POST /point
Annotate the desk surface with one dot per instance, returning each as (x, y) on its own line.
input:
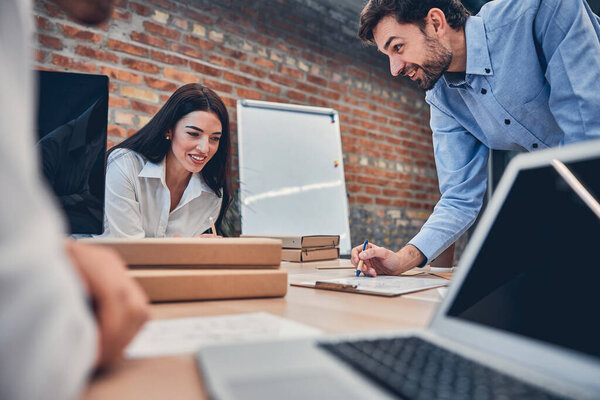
(331, 312)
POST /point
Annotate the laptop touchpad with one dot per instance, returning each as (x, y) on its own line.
(297, 387)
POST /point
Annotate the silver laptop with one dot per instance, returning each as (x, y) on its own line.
(520, 319)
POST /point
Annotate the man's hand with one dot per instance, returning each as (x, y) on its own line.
(379, 260)
(120, 305)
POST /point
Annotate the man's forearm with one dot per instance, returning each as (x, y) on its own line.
(410, 257)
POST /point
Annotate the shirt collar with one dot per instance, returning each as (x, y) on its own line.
(478, 55)
(194, 189)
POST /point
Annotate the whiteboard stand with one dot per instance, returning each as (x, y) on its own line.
(291, 171)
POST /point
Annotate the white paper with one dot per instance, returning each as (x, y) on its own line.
(385, 284)
(187, 335)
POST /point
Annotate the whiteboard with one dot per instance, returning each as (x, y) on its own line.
(291, 171)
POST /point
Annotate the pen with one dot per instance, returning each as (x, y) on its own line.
(212, 226)
(360, 262)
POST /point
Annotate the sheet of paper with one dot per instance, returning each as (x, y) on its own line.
(386, 284)
(187, 335)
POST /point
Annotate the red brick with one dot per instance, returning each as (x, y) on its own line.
(42, 23)
(239, 79)
(97, 54)
(291, 72)
(372, 190)
(168, 58)
(50, 41)
(218, 86)
(292, 94)
(195, 41)
(127, 48)
(328, 94)
(141, 66)
(267, 87)
(150, 40)
(52, 9)
(252, 71)
(282, 80)
(248, 94)
(160, 84)
(205, 69)
(223, 62)
(357, 73)
(117, 131)
(180, 76)
(140, 9)
(143, 107)
(121, 15)
(317, 80)
(317, 101)
(187, 50)
(161, 30)
(80, 34)
(262, 62)
(306, 88)
(40, 56)
(117, 102)
(121, 75)
(161, 3)
(70, 64)
(231, 53)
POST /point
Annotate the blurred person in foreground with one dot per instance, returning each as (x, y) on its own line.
(65, 308)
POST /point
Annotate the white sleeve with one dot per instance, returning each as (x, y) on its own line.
(48, 340)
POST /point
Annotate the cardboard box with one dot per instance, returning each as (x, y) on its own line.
(314, 254)
(178, 285)
(196, 252)
(302, 241)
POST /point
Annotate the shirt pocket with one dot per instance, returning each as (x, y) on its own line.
(535, 116)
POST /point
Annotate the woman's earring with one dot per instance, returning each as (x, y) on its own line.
(168, 137)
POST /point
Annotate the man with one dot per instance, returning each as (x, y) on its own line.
(521, 75)
(65, 308)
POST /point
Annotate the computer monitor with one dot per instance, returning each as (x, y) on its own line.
(72, 114)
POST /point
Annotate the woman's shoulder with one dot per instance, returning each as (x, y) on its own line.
(125, 156)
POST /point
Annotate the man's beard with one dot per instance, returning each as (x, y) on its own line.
(436, 65)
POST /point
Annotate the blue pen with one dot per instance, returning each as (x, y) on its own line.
(360, 262)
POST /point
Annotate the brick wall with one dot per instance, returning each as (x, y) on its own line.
(294, 51)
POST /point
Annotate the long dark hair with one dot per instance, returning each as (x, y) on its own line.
(150, 140)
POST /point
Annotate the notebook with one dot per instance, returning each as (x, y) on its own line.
(518, 321)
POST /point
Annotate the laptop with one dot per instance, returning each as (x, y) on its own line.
(520, 319)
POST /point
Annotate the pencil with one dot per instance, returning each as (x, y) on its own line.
(212, 226)
(360, 262)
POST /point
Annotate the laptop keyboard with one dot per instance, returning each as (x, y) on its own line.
(413, 369)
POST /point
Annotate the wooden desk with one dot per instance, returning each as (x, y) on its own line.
(332, 312)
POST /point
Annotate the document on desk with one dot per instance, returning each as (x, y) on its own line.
(187, 335)
(381, 285)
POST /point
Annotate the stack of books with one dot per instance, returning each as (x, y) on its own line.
(307, 248)
(179, 269)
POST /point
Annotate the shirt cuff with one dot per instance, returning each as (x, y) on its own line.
(430, 243)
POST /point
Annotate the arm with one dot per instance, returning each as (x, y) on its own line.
(568, 34)
(121, 207)
(461, 162)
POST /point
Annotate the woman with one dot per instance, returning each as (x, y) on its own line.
(170, 177)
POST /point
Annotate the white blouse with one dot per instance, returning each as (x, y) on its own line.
(137, 200)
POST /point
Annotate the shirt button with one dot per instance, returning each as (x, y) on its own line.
(483, 91)
(507, 121)
(487, 70)
(535, 145)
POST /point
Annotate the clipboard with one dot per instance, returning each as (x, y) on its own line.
(387, 286)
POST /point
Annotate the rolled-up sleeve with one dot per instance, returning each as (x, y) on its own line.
(461, 162)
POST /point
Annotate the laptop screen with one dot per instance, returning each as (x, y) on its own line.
(537, 273)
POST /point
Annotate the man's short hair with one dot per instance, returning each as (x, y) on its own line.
(408, 11)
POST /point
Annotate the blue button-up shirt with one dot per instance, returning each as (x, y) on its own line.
(532, 81)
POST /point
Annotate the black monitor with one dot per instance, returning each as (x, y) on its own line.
(72, 114)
